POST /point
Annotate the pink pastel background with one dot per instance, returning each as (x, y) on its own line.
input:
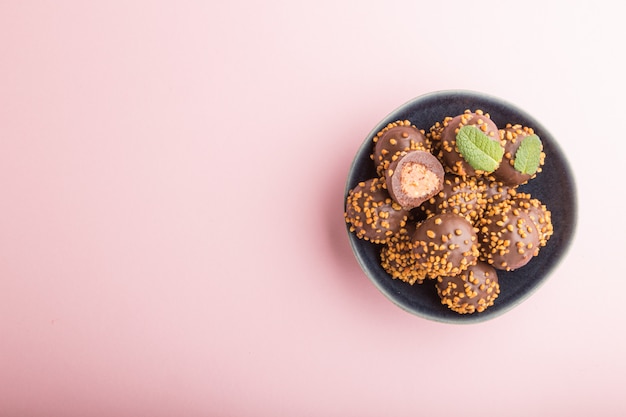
(171, 231)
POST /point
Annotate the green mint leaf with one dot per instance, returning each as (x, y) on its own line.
(478, 149)
(528, 155)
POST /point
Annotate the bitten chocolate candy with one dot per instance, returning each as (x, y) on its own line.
(448, 149)
(473, 290)
(508, 236)
(413, 178)
(395, 138)
(445, 245)
(372, 213)
(512, 136)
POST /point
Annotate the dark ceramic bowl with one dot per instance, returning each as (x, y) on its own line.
(554, 187)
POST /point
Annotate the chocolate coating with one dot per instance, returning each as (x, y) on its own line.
(372, 213)
(512, 136)
(472, 291)
(508, 237)
(494, 191)
(397, 257)
(448, 150)
(538, 213)
(445, 244)
(395, 138)
(459, 195)
(413, 178)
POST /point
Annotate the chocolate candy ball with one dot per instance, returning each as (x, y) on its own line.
(508, 236)
(512, 136)
(397, 257)
(445, 245)
(538, 213)
(473, 290)
(393, 139)
(372, 213)
(413, 178)
(449, 151)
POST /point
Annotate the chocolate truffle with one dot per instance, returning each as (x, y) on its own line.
(472, 291)
(449, 152)
(445, 244)
(397, 257)
(372, 213)
(459, 195)
(395, 138)
(413, 178)
(512, 136)
(539, 214)
(508, 237)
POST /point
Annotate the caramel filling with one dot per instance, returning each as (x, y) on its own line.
(417, 180)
